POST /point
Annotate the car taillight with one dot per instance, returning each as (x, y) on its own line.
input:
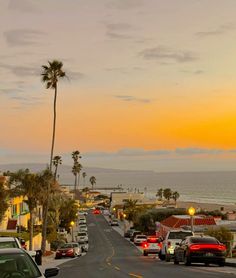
(145, 245)
(70, 250)
(222, 247)
(194, 247)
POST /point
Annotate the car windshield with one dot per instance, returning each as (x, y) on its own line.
(75, 245)
(142, 237)
(203, 240)
(18, 265)
(82, 234)
(67, 246)
(179, 235)
(8, 244)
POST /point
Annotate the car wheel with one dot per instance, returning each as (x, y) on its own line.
(167, 258)
(206, 264)
(176, 261)
(187, 261)
(161, 257)
(145, 253)
(221, 264)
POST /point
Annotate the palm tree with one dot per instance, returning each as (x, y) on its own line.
(167, 193)
(26, 184)
(130, 208)
(84, 175)
(77, 167)
(51, 74)
(92, 181)
(56, 161)
(175, 196)
(160, 194)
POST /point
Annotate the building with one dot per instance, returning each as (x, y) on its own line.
(184, 222)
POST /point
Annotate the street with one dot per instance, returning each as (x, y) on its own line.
(111, 255)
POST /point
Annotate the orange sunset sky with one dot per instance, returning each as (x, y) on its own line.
(151, 83)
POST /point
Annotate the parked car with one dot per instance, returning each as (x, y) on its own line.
(82, 221)
(68, 250)
(139, 239)
(14, 242)
(83, 212)
(169, 243)
(83, 228)
(62, 232)
(128, 233)
(151, 246)
(195, 249)
(114, 222)
(133, 235)
(82, 237)
(16, 262)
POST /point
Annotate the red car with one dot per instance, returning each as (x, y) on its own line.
(96, 211)
(196, 249)
(68, 250)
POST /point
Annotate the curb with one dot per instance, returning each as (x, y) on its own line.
(232, 264)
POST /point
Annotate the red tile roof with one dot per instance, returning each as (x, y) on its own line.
(176, 222)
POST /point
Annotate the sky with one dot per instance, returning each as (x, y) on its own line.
(151, 83)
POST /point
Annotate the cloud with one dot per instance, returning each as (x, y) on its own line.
(21, 71)
(116, 30)
(74, 75)
(193, 151)
(22, 37)
(219, 31)
(196, 72)
(125, 4)
(133, 99)
(25, 6)
(164, 54)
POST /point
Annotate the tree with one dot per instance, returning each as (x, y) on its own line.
(4, 192)
(51, 74)
(92, 181)
(160, 194)
(167, 193)
(175, 196)
(76, 166)
(84, 175)
(56, 161)
(68, 213)
(26, 184)
(130, 209)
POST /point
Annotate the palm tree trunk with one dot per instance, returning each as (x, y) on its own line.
(31, 230)
(75, 186)
(46, 205)
(55, 173)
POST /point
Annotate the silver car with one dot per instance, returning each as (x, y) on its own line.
(15, 262)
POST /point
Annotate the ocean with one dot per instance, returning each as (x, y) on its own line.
(207, 187)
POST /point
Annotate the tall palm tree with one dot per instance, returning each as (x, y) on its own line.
(92, 181)
(84, 175)
(56, 162)
(77, 167)
(26, 184)
(51, 74)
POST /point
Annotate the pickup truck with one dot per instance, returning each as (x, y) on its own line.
(169, 243)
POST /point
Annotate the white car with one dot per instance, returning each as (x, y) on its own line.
(83, 212)
(16, 262)
(151, 246)
(82, 237)
(83, 228)
(139, 239)
(169, 243)
(82, 221)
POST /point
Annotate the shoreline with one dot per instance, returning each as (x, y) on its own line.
(206, 206)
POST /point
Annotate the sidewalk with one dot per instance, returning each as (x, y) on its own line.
(230, 262)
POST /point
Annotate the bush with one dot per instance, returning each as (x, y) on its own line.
(57, 244)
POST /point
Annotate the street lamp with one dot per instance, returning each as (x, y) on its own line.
(191, 212)
(72, 223)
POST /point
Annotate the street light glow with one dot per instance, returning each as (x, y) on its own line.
(191, 211)
(72, 223)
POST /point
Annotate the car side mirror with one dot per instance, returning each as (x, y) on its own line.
(49, 272)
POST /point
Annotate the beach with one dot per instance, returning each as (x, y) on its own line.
(206, 206)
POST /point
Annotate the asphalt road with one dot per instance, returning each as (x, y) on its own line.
(111, 256)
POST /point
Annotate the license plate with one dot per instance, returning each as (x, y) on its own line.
(208, 254)
(63, 254)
